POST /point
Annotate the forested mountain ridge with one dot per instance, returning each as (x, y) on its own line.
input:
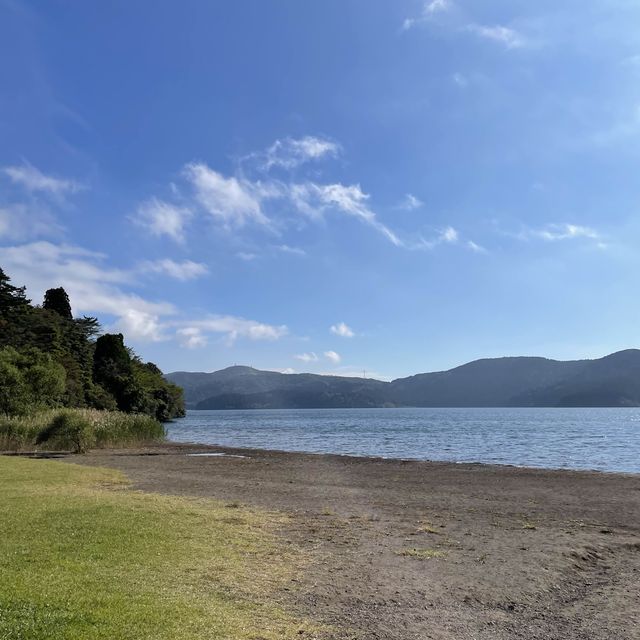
(50, 359)
(497, 382)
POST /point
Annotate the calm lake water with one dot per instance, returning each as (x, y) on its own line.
(602, 439)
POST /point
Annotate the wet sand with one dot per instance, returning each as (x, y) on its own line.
(416, 550)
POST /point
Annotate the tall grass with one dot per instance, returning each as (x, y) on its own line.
(77, 430)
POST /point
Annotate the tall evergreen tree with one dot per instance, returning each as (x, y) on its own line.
(11, 297)
(15, 309)
(113, 370)
(57, 300)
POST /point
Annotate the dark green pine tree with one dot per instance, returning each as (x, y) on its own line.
(11, 297)
(15, 310)
(113, 370)
(57, 300)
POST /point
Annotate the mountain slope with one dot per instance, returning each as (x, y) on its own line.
(612, 381)
(483, 383)
(248, 388)
(508, 382)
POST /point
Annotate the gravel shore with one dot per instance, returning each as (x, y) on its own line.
(416, 550)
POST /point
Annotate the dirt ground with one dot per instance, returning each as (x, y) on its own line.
(415, 550)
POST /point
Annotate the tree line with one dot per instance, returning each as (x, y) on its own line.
(49, 359)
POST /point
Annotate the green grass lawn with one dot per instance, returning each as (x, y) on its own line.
(82, 556)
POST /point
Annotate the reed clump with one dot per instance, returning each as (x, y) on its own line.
(77, 430)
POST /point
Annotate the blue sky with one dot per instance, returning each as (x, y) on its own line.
(331, 186)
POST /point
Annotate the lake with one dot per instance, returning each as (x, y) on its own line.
(600, 439)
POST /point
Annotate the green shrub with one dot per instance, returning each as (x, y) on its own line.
(68, 430)
(29, 380)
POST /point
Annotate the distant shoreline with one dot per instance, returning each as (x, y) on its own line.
(416, 407)
(195, 448)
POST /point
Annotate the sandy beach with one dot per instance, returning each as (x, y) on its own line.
(416, 550)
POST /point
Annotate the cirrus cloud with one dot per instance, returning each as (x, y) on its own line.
(410, 203)
(430, 9)
(21, 222)
(554, 232)
(510, 38)
(315, 199)
(32, 179)
(292, 152)
(185, 270)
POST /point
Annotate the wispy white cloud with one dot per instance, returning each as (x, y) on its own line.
(192, 337)
(163, 219)
(408, 23)
(430, 8)
(21, 222)
(410, 203)
(475, 247)
(342, 329)
(436, 6)
(448, 235)
(456, 21)
(33, 180)
(185, 270)
(233, 201)
(33, 216)
(556, 232)
(332, 356)
(194, 333)
(296, 251)
(307, 357)
(510, 38)
(314, 199)
(233, 327)
(290, 153)
(247, 256)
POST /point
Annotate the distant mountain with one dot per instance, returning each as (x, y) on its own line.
(499, 382)
(248, 388)
(612, 381)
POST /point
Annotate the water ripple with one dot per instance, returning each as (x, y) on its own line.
(599, 439)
